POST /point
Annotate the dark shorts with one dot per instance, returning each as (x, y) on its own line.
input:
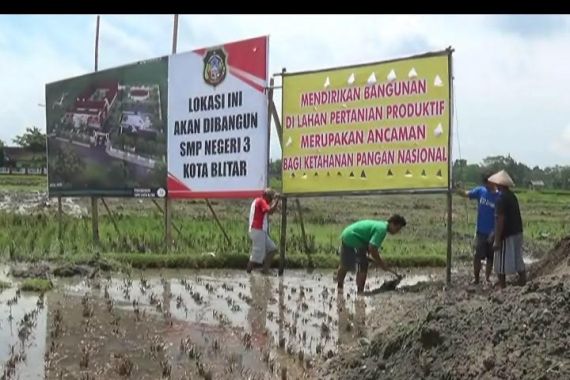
(483, 248)
(354, 258)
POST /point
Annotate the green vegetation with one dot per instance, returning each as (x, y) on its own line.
(27, 183)
(140, 241)
(4, 285)
(36, 285)
(557, 177)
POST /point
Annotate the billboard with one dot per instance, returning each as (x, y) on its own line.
(368, 128)
(106, 132)
(218, 132)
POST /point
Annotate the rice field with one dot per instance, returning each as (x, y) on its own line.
(183, 325)
(29, 229)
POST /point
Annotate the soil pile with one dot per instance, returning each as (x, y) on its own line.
(477, 333)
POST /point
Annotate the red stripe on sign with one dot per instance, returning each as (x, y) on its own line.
(214, 194)
(174, 184)
(247, 55)
(248, 81)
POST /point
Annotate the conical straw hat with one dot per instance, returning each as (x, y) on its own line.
(502, 178)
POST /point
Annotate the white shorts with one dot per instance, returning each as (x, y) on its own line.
(261, 245)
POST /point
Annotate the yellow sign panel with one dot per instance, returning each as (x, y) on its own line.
(373, 127)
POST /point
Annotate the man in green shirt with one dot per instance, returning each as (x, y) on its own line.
(361, 239)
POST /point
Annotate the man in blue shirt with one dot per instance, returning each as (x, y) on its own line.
(486, 197)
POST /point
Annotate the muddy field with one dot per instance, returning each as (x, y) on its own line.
(226, 325)
(182, 325)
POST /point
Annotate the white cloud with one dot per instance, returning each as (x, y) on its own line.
(511, 92)
(561, 144)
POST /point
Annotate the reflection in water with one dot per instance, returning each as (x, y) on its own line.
(360, 316)
(27, 339)
(281, 310)
(344, 335)
(346, 321)
(260, 288)
(295, 312)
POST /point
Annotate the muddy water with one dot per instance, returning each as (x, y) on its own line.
(13, 307)
(25, 203)
(225, 323)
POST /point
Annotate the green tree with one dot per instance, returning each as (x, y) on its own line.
(35, 141)
(1, 153)
(159, 174)
(66, 165)
(520, 173)
(118, 171)
(275, 168)
(32, 139)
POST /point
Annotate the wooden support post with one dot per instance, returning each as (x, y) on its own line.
(111, 216)
(449, 173)
(175, 34)
(283, 240)
(95, 220)
(94, 211)
(167, 202)
(218, 222)
(449, 236)
(97, 42)
(279, 128)
(59, 219)
(303, 235)
(281, 320)
(163, 212)
(168, 225)
(273, 112)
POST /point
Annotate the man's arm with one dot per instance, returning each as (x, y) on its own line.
(270, 208)
(274, 204)
(471, 194)
(375, 254)
(461, 192)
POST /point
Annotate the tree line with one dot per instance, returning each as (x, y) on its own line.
(554, 177)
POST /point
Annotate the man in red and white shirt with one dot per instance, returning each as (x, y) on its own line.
(262, 248)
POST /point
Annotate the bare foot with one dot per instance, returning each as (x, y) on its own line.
(498, 286)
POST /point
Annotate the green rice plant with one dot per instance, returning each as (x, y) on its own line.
(36, 285)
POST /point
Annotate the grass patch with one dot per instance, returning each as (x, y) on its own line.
(239, 261)
(36, 285)
(140, 241)
(23, 182)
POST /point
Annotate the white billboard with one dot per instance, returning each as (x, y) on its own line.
(218, 132)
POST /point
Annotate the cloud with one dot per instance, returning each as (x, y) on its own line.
(531, 26)
(509, 81)
(25, 71)
(410, 45)
(561, 144)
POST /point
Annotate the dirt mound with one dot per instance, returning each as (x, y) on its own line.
(519, 333)
(558, 258)
(476, 333)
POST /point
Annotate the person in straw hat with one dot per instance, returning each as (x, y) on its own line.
(508, 231)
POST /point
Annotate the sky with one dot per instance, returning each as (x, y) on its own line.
(511, 72)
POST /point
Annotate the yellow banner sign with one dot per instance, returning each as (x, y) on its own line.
(374, 127)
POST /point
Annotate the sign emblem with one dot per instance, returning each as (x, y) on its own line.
(215, 66)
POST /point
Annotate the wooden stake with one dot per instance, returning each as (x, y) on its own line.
(218, 222)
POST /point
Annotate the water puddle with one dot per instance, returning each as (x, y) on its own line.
(186, 324)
